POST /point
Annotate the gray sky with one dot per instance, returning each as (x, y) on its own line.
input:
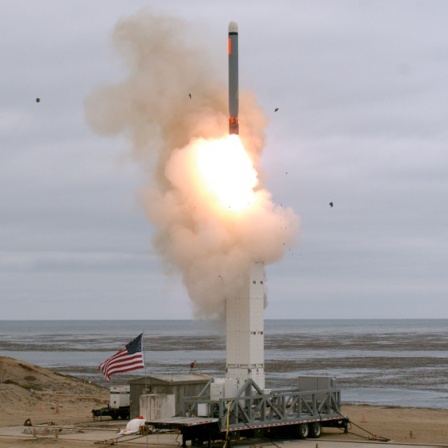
(362, 92)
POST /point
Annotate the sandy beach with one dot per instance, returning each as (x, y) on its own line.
(60, 400)
(400, 425)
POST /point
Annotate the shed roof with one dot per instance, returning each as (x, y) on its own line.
(195, 378)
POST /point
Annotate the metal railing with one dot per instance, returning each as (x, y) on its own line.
(252, 408)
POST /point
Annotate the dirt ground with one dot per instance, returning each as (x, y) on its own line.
(42, 396)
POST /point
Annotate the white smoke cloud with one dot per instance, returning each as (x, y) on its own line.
(211, 248)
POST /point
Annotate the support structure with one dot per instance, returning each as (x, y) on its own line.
(252, 408)
(245, 330)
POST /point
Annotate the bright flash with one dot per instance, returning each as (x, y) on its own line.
(227, 172)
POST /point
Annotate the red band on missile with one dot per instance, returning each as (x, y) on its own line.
(229, 45)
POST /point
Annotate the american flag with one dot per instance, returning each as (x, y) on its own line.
(130, 357)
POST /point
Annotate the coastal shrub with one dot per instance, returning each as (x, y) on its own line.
(30, 378)
(30, 369)
(70, 377)
(23, 386)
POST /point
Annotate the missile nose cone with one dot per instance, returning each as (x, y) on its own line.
(233, 27)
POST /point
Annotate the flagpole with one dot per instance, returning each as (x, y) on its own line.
(144, 362)
(143, 351)
(146, 380)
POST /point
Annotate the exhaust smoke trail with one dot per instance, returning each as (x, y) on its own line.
(212, 215)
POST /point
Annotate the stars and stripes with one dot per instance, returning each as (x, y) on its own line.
(129, 358)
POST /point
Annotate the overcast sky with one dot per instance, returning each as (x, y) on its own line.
(362, 92)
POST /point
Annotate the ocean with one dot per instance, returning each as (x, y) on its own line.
(378, 362)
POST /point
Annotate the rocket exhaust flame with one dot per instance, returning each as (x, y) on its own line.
(211, 213)
(226, 171)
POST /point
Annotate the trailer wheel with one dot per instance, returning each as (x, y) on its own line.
(303, 431)
(124, 415)
(315, 430)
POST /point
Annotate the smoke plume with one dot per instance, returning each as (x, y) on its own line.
(201, 230)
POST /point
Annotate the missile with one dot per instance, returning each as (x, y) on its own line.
(233, 78)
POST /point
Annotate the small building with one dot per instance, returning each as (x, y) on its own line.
(178, 385)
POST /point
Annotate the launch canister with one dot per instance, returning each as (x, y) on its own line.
(233, 78)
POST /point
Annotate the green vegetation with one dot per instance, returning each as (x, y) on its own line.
(23, 386)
